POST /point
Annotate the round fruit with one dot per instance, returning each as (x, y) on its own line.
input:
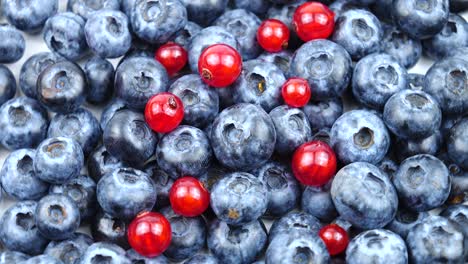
(296, 92)
(164, 112)
(335, 238)
(273, 35)
(220, 65)
(189, 197)
(313, 20)
(172, 56)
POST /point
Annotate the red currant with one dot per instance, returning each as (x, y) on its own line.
(273, 35)
(219, 65)
(314, 163)
(164, 112)
(335, 238)
(189, 197)
(296, 92)
(172, 56)
(313, 20)
(149, 234)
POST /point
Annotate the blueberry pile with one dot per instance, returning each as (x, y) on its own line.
(234, 132)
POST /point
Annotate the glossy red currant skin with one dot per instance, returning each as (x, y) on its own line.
(273, 35)
(149, 234)
(189, 197)
(164, 112)
(313, 20)
(314, 163)
(335, 238)
(172, 56)
(220, 65)
(296, 92)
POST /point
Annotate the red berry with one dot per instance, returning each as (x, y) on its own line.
(296, 92)
(172, 56)
(164, 112)
(314, 163)
(313, 20)
(149, 234)
(273, 35)
(335, 238)
(189, 197)
(219, 65)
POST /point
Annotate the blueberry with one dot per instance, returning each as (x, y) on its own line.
(57, 216)
(42, 259)
(31, 70)
(215, 173)
(239, 198)
(113, 189)
(58, 160)
(446, 82)
(341, 6)
(29, 16)
(201, 103)
(323, 113)
(377, 246)
(425, 239)
(325, 64)
(382, 10)
(100, 75)
(259, 83)
(128, 138)
(184, 35)
(404, 220)
(284, 190)
(205, 38)
(202, 258)
(243, 25)
(137, 79)
(70, 250)
(109, 111)
(405, 49)
(226, 97)
(459, 188)
(410, 147)
(62, 87)
(359, 32)
(7, 84)
(13, 44)
(18, 177)
(109, 229)
(243, 137)
(292, 129)
(301, 222)
(297, 247)
(376, 78)
(23, 122)
(18, 232)
(7, 257)
(107, 33)
(236, 244)
(458, 214)
(188, 235)
(101, 162)
(322, 135)
(87, 8)
(157, 21)
(204, 12)
(64, 34)
(453, 35)
(360, 135)
(415, 81)
(184, 151)
(102, 252)
(317, 201)
(259, 7)
(137, 258)
(457, 143)
(285, 13)
(364, 195)
(82, 190)
(420, 19)
(281, 59)
(162, 183)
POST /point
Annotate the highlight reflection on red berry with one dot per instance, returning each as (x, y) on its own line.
(273, 35)
(172, 56)
(296, 92)
(149, 234)
(313, 20)
(335, 238)
(220, 65)
(189, 197)
(164, 112)
(314, 163)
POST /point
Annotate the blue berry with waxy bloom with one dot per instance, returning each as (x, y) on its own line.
(29, 16)
(202, 258)
(105, 252)
(237, 244)
(109, 229)
(157, 22)
(295, 221)
(415, 81)
(135, 257)
(281, 59)
(100, 162)
(23, 122)
(323, 113)
(64, 34)
(404, 220)
(204, 12)
(57, 217)
(317, 201)
(100, 75)
(109, 111)
(325, 65)
(457, 213)
(258, 7)
(18, 231)
(86, 8)
(113, 188)
(162, 183)
(410, 147)
(7, 257)
(42, 259)
(377, 246)
(239, 198)
(457, 143)
(18, 177)
(7, 84)
(184, 35)
(13, 44)
(405, 49)
(70, 250)
(58, 160)
(364, 195)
